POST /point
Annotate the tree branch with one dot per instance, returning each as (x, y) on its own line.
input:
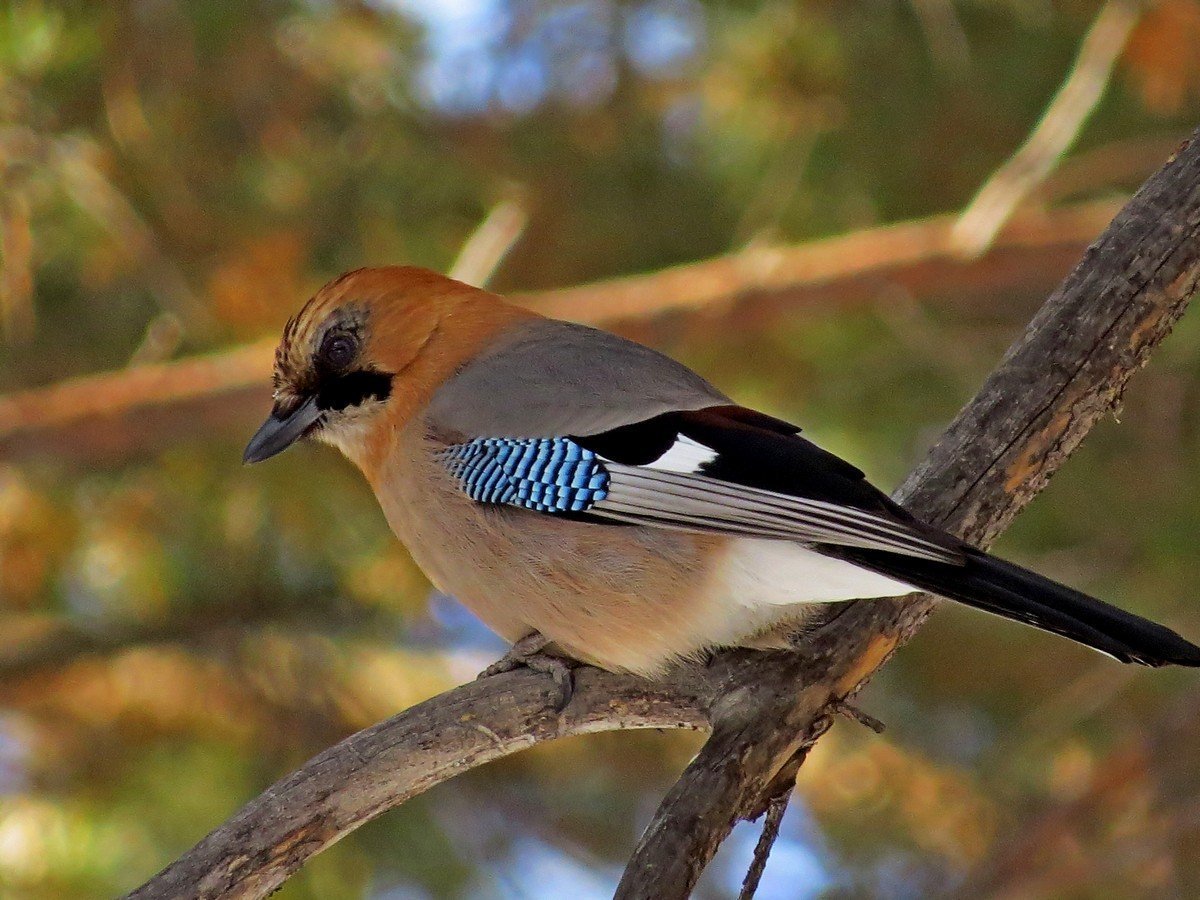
(765, 709)
(489, 243)
(1057, 129)
(1054, 383)
(115, 415)
(776, 809)
(382, 766)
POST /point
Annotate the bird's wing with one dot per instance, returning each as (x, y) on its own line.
(721, 469)
(572, 422)
(546, 378)
(730, 470)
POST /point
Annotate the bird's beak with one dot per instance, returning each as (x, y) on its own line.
(281, 430)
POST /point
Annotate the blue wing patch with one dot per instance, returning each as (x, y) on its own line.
(552, 475)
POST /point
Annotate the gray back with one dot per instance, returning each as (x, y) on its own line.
(548, 378)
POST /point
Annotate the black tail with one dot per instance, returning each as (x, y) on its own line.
(1008, 590)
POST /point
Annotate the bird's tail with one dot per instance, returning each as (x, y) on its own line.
(988, 583)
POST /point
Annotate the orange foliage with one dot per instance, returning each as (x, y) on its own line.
(256, 285)
(1163, 56)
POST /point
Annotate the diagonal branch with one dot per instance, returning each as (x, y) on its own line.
(765, 709)
(488, 244)
(1054, 383)
(1057, 129)
(115, 415)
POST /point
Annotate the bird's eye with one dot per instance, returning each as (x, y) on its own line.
(338, 351)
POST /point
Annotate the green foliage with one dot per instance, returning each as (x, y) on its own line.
(176, 632)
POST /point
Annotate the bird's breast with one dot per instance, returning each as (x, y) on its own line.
(629, 598)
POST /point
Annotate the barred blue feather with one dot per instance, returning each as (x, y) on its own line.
(553, 475)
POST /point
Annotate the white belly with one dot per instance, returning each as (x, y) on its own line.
(763, 582)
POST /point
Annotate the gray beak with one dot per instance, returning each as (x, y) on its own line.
(281, 430)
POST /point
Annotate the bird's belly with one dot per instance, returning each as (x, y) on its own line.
(627, 599)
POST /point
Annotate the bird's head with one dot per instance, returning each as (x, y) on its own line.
(363, 353)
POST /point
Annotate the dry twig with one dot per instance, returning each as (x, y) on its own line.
(776, 810)
(488, 244)
(1057, 129)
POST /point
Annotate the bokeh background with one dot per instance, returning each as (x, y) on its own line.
(178, 631)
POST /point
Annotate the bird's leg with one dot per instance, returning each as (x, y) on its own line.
(529, 653)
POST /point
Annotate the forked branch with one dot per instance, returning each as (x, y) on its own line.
(765, 709)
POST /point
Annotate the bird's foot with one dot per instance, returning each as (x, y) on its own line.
(518, 654)
(529, 653)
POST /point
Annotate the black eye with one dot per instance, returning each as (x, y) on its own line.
(338, 351)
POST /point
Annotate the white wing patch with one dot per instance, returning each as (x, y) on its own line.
(684, 456)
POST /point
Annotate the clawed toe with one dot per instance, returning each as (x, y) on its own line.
(506, 663)
(518, 655)
(560, 670)
(527, 653)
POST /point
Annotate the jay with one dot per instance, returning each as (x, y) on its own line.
(583, 492)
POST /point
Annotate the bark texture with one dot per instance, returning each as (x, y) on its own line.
(764, 709)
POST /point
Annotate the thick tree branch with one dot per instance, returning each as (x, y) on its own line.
(1055, 382)
(118, 414)
(382, 766)
(765, 709)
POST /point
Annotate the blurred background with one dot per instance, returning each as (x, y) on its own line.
(840, 212)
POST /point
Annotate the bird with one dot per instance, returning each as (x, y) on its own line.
(593, 500)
